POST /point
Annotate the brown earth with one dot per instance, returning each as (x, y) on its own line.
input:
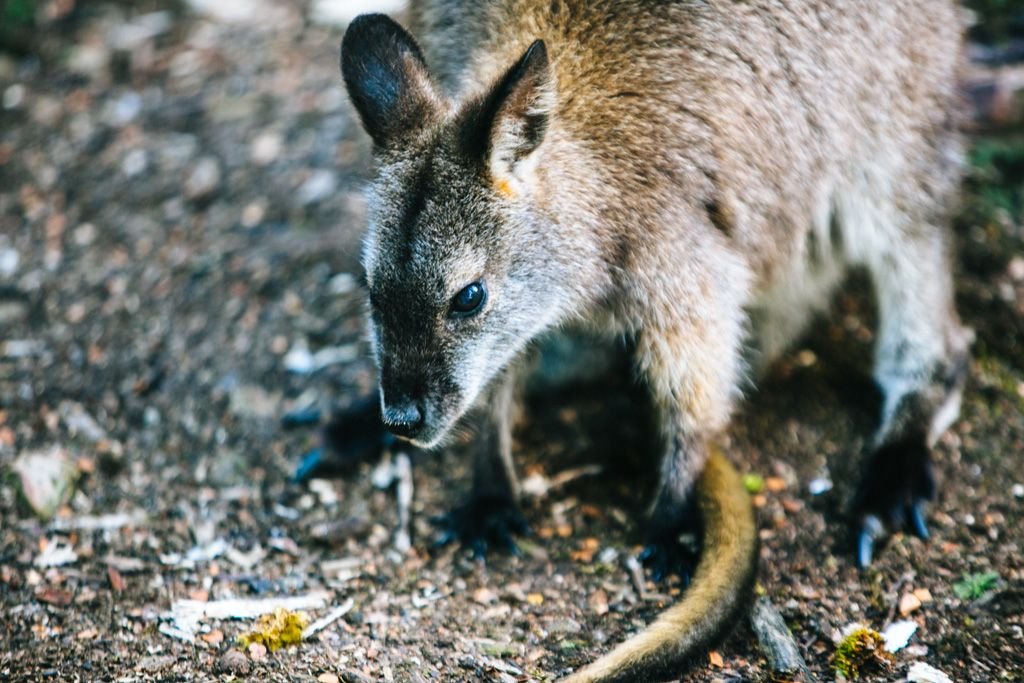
(183, 208)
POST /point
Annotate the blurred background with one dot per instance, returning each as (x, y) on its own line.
(180, 214)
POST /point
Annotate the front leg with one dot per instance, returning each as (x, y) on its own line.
(689, 351)
(491, 515)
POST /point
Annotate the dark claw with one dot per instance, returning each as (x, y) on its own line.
(870, 531)
(917, 521)
(668, 556)
(482, 524)
(896, 484)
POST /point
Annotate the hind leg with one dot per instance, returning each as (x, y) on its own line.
(921, 366)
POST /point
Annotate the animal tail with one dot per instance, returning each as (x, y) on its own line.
(715, 597)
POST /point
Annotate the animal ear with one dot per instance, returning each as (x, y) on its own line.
(514, 117)
(387, 78)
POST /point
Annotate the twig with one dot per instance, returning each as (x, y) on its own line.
(328, 619)
(403, 494)
(777, 642)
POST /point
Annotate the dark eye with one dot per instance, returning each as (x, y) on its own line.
(469, 300)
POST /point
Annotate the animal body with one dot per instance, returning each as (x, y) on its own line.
(695, 177)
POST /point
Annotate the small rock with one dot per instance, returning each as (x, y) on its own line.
(317, 187)
(818, 486)
(135, 162)
(204, 179)
(327, 678)
(257, 652)
(155, 663)
(342, 283)
(47, 479)
(233, 662)
(485, 596)
(9, 259)
(1017, 490)
(923, 594)
(563, 627)
(1016, 268)
(909, 603)
(253, 213)
(265, 148)
(14, 95)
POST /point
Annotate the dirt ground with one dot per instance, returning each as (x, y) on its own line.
(180, 212)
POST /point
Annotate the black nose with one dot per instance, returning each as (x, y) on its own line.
(404, 419)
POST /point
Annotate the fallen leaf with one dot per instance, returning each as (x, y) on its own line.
(715, 659)
(117, 583)
(54, 596)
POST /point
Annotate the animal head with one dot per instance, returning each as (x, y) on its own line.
(458, 252)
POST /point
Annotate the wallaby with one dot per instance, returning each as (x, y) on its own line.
(695, 177)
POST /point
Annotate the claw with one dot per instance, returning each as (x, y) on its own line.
(665, 558)
(870, 531)
(482, 524)
(915, 513)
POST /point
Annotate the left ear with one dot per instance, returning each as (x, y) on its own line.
(513, 119)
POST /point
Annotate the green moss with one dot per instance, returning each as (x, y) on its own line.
(862, 650)
(277, 630)
(973, 586)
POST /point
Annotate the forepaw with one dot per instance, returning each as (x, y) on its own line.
(897, 484)
(482, 524)
(352, 436)
(666, 556)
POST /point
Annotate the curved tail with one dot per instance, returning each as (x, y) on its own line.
(715, 597)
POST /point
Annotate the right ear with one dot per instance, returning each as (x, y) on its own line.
(387, 78)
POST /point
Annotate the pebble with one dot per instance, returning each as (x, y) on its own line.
(9, 259)
(233, 662)
(14, 95)
(317, 187)
(909, 603)
(134, 162)
(265, 148)
(1017, 490)
(204, 179)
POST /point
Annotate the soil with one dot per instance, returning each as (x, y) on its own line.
(179, 223)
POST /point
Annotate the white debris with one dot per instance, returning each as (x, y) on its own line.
(342, 283)
(404, 494)
(22, 348)
(205, 553)
(265, 148)
(328, 619)
(185, 615)
(920, 672)
(341, 12)
(55, 554)
(79, 421)
(9, 259)
(116, 520)
(301, 361)
(818, 486)
(245, 560)
(1017, 490)
(324, 490)
(132, 35)
(898, 634)
(538, 486)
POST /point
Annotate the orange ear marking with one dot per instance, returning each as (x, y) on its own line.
(504, 188)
